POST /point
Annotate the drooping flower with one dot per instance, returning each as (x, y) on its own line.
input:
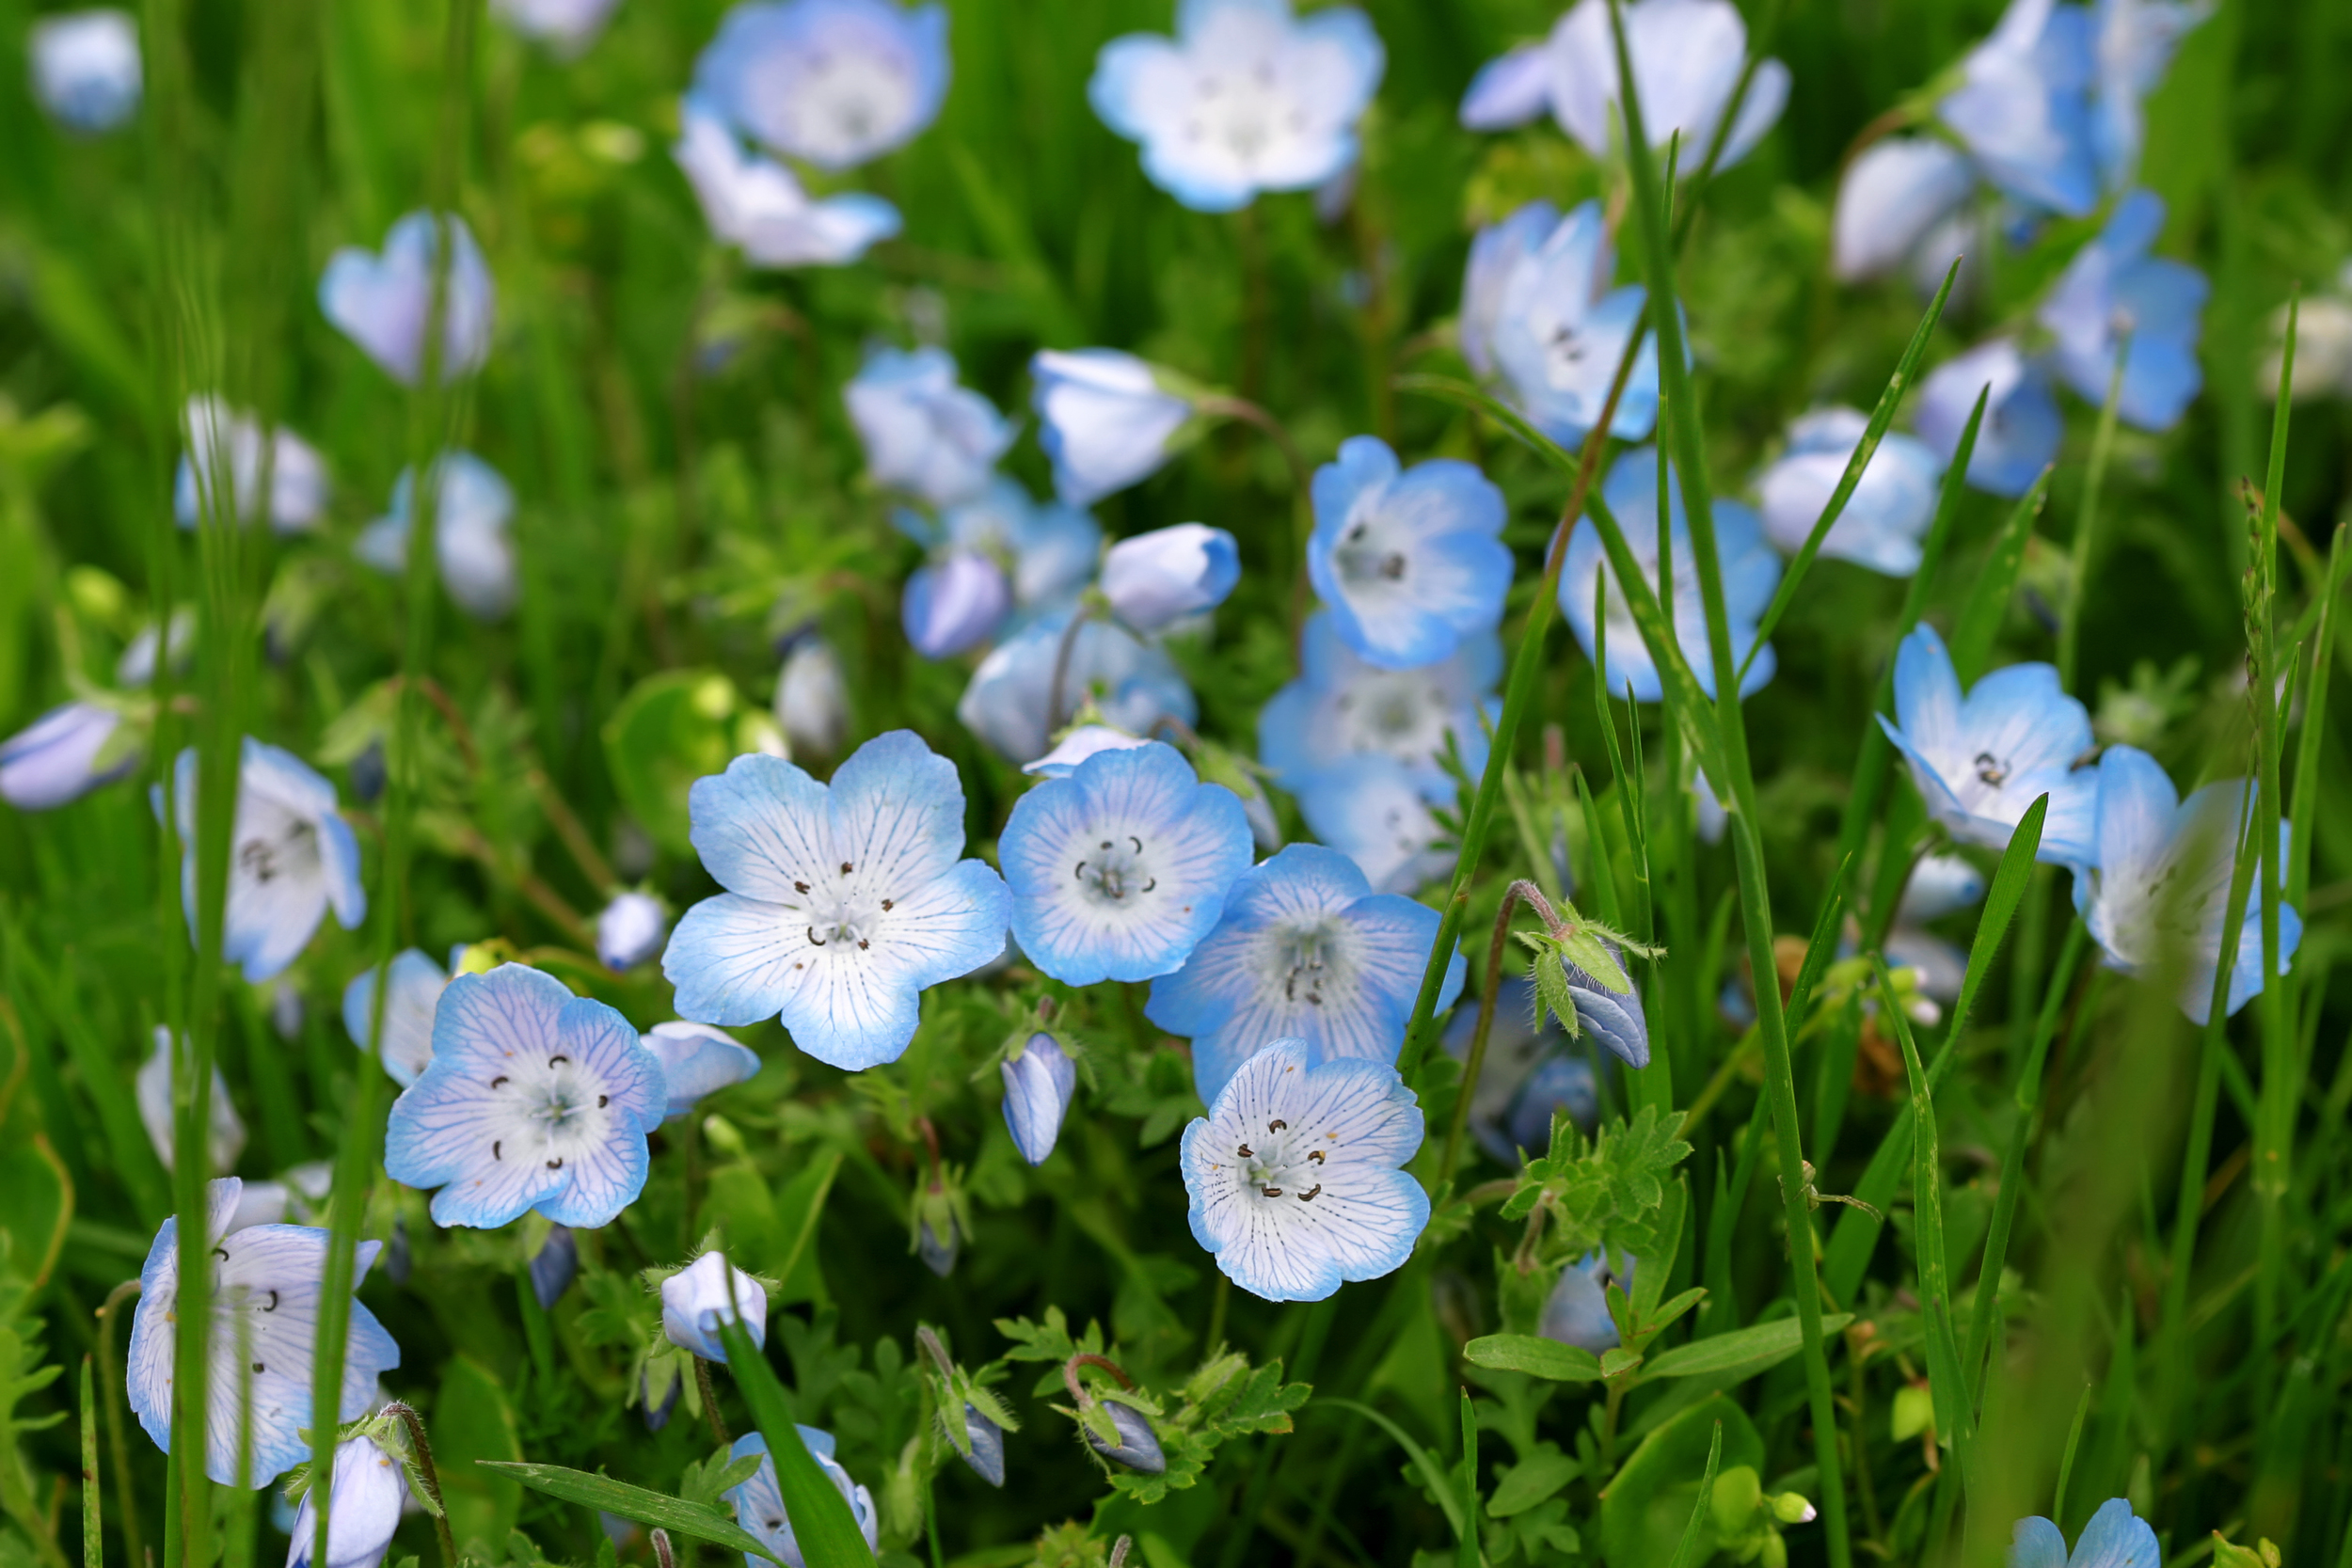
(369, 1488)
(1749, 569)
(534, 1098)
(1048, 550)
(291, 858)
(1106, 419)
(697, 1060)
(1409, 562)
(925, 434)
(2133, 48)
(834, 83)
(1132, 684)
(1893, 201)
(470, 541)
(217, 434)
(265, 1301)
(417, 983)
(2114, 297)
(2115, 1538)
(844, 902)
(707, 1292)
(629, 930)
(1371, 808)
(1078, 745)
(151, 1088)
(1295, 1173)
(136, 667)
(1981, 760)
(1577, 1311)
(812, 704)
(2156, 888)
(1137, 1448)
(1305, 951)
(1886, 516)
(62, 756)
(1613, 1017)
(1155, 578)
(86, 67)
(2023, 109)
(954, 604)
(987, 1455)
(759, 1502)
(1039, 1086)
(2021, 425)
(1528, 1077)
(1540, 311)
(757, 204)
(1119, 870)
(381, 302)
(1341, 706)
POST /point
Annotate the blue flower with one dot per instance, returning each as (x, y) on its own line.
(812, 704)
(1370, 807)
(1039, 1086)
(1556, 330)
(1047, 549)
(1894, 203)
(2155, 890)
(567, 27)
(292, 857)
(1749, 568)
(759, 1502)
(954, 604)
(2115, 1538)
(1577, 1311)
(86, 67)
(1939, 884)
(1982, 761)
(755, 203)
(1244, 99)
(2114, 296)
(417, 983)
(705, 1293)
(629, 930)
(1155, 578)
(381, 302)
(2024, 107)
(1341, 706)
(63, 755)
(265, 1300)
(1107, 420)
(1409, 562)
(470, 541)
(1132, 684)
(2135, 42)
(834, 83)
(217, 433)
(1495, 257)
(1529, 1074)
(2021, 425)
(1081, 743)
(151, 1089)
(697, 1060)
(1305, 951)
(925, 435)
(534, 1098)
(1294, 1176)
(368, 1489)
(844, 901)
(1889, 511)
(1119, 870)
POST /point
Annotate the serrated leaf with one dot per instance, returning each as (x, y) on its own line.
(657, 1509)
(1535, 1355)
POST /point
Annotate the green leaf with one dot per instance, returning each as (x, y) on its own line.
(1530, 1481)
(1742, 1354)
(473, 1430)
(820, 1517)
(1535, 1355)
(1687, 1552)
(672, 729)
(656, 1509)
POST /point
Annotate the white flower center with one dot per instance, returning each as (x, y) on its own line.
(277, 844)
(1117, 872)
(840, 104)
(554, 1109)
(1245, 111)
(1304, 958)
(845, 913)
(1283, 1164)
(1363, 557)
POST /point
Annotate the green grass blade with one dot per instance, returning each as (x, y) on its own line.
(1987, 605)
(822, 1520)
(1686, 1550)
(656, 1510)
(1433, 1476)
(2307, 753)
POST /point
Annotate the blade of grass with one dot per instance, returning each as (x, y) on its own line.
(821, 1521)
(1987, 605)
(1686, 1550)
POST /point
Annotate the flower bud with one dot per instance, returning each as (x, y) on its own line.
(57, 759)
(1577, 1311)
(812, 699)
(1039, 1083)
(987, 1439)
(694, 1302)
(369, 1491)
(954, 604)
(631, 930)
(553, 1267)
(1163, 576)
(1108, 421)
(1139, 1445)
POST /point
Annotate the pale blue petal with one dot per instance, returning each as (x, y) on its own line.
(2037, 1544)
(2117, 1538)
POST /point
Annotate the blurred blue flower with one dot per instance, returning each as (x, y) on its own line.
(61, 756)
(1577, 1311)
(1107, 420)
(1295, 1173)
(292, 857)
(534, 1098)
(554, 1266)
(1749, 568)
(1244, 98)
(567, 27)
(1339, 706)
(705, 1293)
(2115, 297)
(367, 1493)
(1133, 685)
(2115, 1538)
(1119, 870)
(1082, 742)
(417, 983)
(381, 302)
(2023, 109)
(1542, 314)
(151, 1089)
(2136, 40)
(812, 704)
(1494, 255)
(1982, 761)
(1370, 807)
(1895, 202)
(1558, 1086)
(2154, 889)
(1153, 579)
(215, 433)
(844, 901)
(470, 541)
(1039, 1086)
(1939, 885)
(757, 204)
(1409, 562)
(697, 1060)
(629, 930)
(1305, 951)
(1047, 549)
(266, 1298)
(834, 83)
(1886, 516)
(759, 1501)
(2021, 425)
(86, 67)
(954, 604)
(136, 667)
(925, 435)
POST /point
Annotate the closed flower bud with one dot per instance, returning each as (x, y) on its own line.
(631, 930)
(1577, 1311)
(57, 759)
(369, 1491)
(954, 605)
(1107, 420)
(1170, 572)
(1039, 1083)
(695, 1300)
(987, 1439)
(553, 1266)
(1139, 1445)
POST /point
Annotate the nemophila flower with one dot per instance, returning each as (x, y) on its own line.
(2023, 109)
(265, 1302)
(1614, 1018)
(697, 1060)
(534, 1098)
(844, 902)
(1246, 97)
(292, 857)
(406, 1047)
(812, 704)
(1556, 329)
(1305, 951)
(2154, 889)
(1106, 419)
(707, 1292)
(565, 26)
(1119, 870)
(1370, 807)
(219, 434)
(1339, 706)
(759, 205)
(1295, 1173)
(1496, 252)
(369, 1488)
(86, 67)
(1893, 199)
(2021, 425)
(2115, 1538)
(925, 434)
(987, 1456)
(1048, 550)
(1040, 1082)
(1749, 569)
(1408, 561)
(382, 303)
(470, 541)
(834, 83)
(1889, 511)
(629, 930)
(1939, 885)
(759, 1502)
(63, 755)
(1155, 578)
(136, 667)
(1980, 761)
(954, 604)
(1079, 744)
(2114, 297)
(554, 1266)
(2133, 48)
(1133, 685)
(2323, 346)
(1577, 1311)
(151, 1088)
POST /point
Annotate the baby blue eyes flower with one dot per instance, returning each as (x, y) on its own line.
(2155, 890)
(757, 205)
(1039, 1086)
(1982, 760)
(1371, 808)
(705, 1293)
(925, 435)
(2023, 108)
(844, 902)
(2021, 425)
(266, 1281)
(2135, 42)
(1294, 1176)
(629, 930)
(1887, 515)
(470, 541)
(368, 1489)
(61, 756)
(1306, 951)
(151, 1088)
(1893, 201)
(759, 1501)
(1409, 562)
(954, 604)
(1246, 97)
(292, 857)
(1341, 706)
(1048, 550)
(1158, 577)
(1939, 885)
(2114, 297)
(567, 27)
(697, 1060)
(534, 1098)
(86, 67)
(1542, 314)
(833, 83)
(1132, 683)
(381, 302)
(1119, 870)
(218, 434)
(1577, 1311)
(1107, 420)
(417, 983)
(1528, 1075)
(1078, 745)
(2115, 1538)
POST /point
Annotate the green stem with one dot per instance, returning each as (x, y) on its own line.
(1476, 1062)
(2087, 528)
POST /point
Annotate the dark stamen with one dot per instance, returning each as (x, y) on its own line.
(1244, 1152)
(1272, 1191)
(1308, 1195)
(602, 1100)
(500, 1079)
(552, 1060)
(814, 940)
(273, 1303)
(1315, 1155)
(494, 1149)
(885, 905)
(845, 868)
(556, 1163)
(800, 887)
(1276, 1125)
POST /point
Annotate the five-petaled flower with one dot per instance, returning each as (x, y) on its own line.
(705, 1293)
(2021, 425)
(291, 858)
(472, 506)
(1891, 506)
(759, 1501)
(1538, 313)
(2115, 299)
(925, 433)
(834, 83)
(1341, 706)
(383, 303)
(85, 67)
(1411, 561)
(1106, 419)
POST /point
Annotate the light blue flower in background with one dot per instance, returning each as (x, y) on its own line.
(1886, 516)
(368, 1489)
(1371, 808)
(1306, 951)
(1157, 579)
(1341, 706)
(844, 902)
(629, 930)
(812, 702)
(1081, 743)
(151, 1089)
(265, 1300)
(567, 27)
(757, 204)
(759, 1502)
(1294, 1176)
(534, 1098)
(1246, 97)
(834, 83)
(61, 756)
(1040, 1084)
(1559, 331)
(2021, 425)
(381, 302)
(2115, 1538)
(86, 67)
(705, 1293)
(1119, 870)
(417, 983)
(1107, 420)
(697, 1060)
(470, 540)
(1749, 568)
(1409, 562)
(2024, 107)
(215, 432)
(925, 435)
(1939, 885)
(1577, 1311)
(954, 604)
(136, 667)
(1982, 760)
(1047, 549)
(1895, 203)
(2155, 889)
(1132, 684)
(2115, 297)
(1496, 252)
(292, 857)
(1528, 1076)
(2133, 48)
